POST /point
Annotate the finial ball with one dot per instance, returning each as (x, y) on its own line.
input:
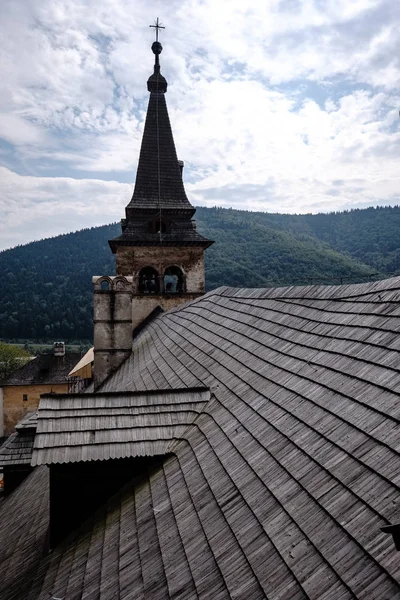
(156, 47)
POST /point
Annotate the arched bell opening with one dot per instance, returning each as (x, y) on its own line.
(148, 281)
(105, 285)
(174, 281)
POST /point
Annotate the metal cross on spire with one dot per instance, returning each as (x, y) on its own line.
(157, 26)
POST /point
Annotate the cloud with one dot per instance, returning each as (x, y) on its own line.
(36, 207)
(302, 150)
(270, 103)
(17, 130)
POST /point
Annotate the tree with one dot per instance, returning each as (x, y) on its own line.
(11, 358)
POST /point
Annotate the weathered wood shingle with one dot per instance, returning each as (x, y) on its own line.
(24, 519)
(306, 401)
(18, 447)
(279, 485)
(85, 427)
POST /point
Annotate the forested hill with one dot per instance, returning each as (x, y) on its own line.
(46, 289)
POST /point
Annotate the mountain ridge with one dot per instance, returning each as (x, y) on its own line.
(46, 284)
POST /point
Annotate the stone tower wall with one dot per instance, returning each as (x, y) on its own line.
(112, 324)
(130, 261)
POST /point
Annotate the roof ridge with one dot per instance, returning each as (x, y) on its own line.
(265, 293)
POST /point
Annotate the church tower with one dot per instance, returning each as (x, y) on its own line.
(159, 254)
(159, 245)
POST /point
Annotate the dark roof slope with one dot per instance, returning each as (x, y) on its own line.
(305, 420)
(45, 369)
(153, 541)
(24, 520)
(17, 448)
(217, 520)
(159, 193)
(28, 422)
(280, 485)
(158, 179)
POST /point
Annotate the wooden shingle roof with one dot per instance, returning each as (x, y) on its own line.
(158, 178)
(159, 192)
(85, 427)
(24, 521)
(17, 448)
(45, 369)
(28, 422)
(306, 388)
(158, 162)
(280, 485)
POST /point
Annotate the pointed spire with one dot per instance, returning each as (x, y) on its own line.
(159, 182)
(159, 198)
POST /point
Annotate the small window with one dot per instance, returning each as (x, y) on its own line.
(173, 281)
(25, 397)
(148, 281)
(105, 285)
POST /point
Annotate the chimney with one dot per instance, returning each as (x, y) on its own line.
(181, 165)
(59, 349)
(112, 304)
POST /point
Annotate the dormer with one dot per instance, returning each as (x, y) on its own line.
(94, 444)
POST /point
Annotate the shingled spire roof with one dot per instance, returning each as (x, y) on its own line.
(159, 178)
(159, 188)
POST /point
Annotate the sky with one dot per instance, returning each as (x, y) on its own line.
(276, 105)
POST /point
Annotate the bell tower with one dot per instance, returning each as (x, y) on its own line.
(159, 254)
(159, 246)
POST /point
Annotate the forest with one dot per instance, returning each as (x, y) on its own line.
(46, 290)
